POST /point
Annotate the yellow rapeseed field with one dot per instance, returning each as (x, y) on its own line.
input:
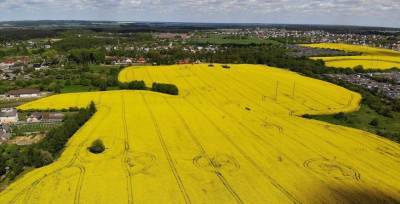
(371, 58)
(231, 136)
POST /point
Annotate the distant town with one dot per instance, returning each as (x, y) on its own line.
(387, 83)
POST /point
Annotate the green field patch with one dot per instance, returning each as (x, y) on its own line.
(76, 88)
(33, 128)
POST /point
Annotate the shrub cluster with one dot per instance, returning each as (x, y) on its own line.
(156, 87)
(97, 147)
(133, 85)
(71, 109)
(165, 88)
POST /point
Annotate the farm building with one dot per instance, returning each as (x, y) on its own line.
(45, 117)
(23, 93)
(53, 117)
(8, 115)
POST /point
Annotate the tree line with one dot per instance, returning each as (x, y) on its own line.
(15, 159)
(166, 88)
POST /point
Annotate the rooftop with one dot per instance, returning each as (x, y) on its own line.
(8, 112)
(23, 91)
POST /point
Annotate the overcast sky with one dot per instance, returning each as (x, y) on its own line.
(344, 12)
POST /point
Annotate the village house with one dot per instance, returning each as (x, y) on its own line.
(141, 60)
(8, 115)
(53, 117)
(45, 117)
(119, 60)
(7, 64)
(185, 61)
(5, 133)
(23, 93)
(34, 117)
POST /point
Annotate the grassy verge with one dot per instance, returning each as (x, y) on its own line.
(367, 119)
(14, 102)
(377, 114)
(76, 88)
(28, 129)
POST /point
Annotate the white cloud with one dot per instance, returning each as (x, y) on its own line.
(367, 12)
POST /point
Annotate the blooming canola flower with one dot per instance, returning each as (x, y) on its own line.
(231, 136)
(369, 57)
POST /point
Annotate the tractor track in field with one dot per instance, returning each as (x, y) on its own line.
(265, 142)
(204, 153)
(125, 158)
(330, 128)
(82, 169)
(249, 129)
(372, 150)
(29, 189)
(232, 117)
(229, 75)
(79, 185)
(336, 147)
(164, 146)
(302, 103)
(244, 154)
(241, 94)
(261, 139)
(167, 153)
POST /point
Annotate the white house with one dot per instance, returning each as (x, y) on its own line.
(8, 115)
(23, 93)
(35, 117)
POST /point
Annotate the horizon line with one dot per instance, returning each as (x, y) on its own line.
(200, 22)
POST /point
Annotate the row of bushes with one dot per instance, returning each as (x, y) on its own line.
(165, 88)
(133, 85)
(156, 87)
(52, 110)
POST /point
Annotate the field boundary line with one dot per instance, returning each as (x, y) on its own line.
(207, 156)
(167, 153)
